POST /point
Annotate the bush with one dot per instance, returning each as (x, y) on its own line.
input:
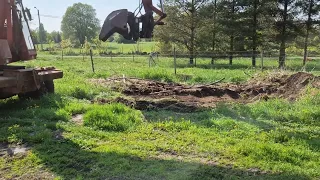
(113, 117)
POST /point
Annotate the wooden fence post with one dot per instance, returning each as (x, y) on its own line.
(175, 60)
(262, 60)
(92, 64)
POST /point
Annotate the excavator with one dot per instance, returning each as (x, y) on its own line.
(16, 44)
(128, 23)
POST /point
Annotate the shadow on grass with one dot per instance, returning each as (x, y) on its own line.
(200, 118)
(69, 160)
(38, 128)
(242, 113)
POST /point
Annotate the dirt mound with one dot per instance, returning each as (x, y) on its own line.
(148, 94)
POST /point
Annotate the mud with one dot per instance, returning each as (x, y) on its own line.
(147, 94)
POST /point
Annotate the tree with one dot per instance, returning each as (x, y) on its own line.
(208, 31)
(66, 44)
(49, 38)
(35, 35)
(257, 15)
(56, 37)
(80, 22)
(42, 34)
(286, 26)
(183, 23)
(231, 23)
(311, 9)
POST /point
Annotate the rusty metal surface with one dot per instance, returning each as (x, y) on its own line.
(7, 82)
(5, 53)
(15, 81)
(26, 81)
(50, 75)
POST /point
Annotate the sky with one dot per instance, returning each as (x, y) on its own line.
(51, 12)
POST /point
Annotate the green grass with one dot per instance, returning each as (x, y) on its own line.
(114, 117)
(277, 138)
(113, 47)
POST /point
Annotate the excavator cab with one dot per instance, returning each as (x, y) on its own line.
(128, 24)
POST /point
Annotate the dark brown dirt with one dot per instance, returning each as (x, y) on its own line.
(148, 94)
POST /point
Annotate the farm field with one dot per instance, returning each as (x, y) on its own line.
(115, 48)
(131, 121)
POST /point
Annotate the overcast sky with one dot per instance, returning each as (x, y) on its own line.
(52, 11)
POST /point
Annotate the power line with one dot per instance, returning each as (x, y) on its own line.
(55, 17)
(48, 16)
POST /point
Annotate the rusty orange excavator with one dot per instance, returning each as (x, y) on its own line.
(16, 44)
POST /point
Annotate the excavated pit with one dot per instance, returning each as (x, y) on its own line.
(150, 95)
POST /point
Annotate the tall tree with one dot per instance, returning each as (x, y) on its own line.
(59, 38)
(253, 22)
(286, 26)
(56, 37)
(183, 23)
(230, 23)
(310, 9)
(35, 36)
(42, 34)
(254, 31)
(80, 22)
(208, 31)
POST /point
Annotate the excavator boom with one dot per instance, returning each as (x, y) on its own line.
(15, 38)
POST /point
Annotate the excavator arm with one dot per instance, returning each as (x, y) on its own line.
(15, 38)
(128, 24)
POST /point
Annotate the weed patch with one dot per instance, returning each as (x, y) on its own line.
(113, 117)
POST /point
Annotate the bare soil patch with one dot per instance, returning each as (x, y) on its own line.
(148, 94)
(77, 119)
(11, 150)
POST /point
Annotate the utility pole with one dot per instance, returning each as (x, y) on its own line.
(40, 40)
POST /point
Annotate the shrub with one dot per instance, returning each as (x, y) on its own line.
(113, 117)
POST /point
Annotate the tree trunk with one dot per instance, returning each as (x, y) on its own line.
(192, 38)
(231, 49)
(214, 30)
(306, 42)
(254, 37)
(282, 57)
(232, 35)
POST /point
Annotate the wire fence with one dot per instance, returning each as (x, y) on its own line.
(208, 60)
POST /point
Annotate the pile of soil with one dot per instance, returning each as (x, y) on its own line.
(148, 94)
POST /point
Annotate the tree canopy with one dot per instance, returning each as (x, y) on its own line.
(235, 26)
(80, 22)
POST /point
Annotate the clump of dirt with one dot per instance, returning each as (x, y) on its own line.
(148, 94)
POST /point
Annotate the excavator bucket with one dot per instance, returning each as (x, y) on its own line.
(116, 22)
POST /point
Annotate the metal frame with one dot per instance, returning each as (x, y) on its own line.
(15, 80)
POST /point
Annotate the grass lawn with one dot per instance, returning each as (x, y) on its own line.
(68, 137)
